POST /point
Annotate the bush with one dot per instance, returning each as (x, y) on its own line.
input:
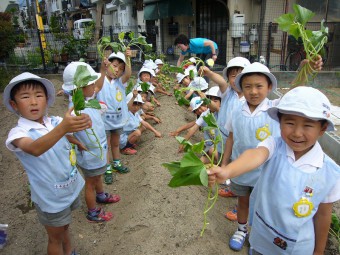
(7, 37)
(6, 76)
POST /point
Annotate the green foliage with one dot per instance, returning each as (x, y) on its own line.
(7, 37)
(6, 76)
(313, 41)
(335, 228)
(190, 170)
(122, 43)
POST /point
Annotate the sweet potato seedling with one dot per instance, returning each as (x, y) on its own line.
(190, 170)
(313, 41)
(81, 78)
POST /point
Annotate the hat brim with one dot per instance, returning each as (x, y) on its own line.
(269, 75)
(224, 73)
(197, 106)
(47, 84)
(273, 113)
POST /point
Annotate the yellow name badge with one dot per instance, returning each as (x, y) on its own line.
(263, 133)
(303, 207)
(119, 96)
(73, 157)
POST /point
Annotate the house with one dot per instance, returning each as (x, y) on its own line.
(240, 28)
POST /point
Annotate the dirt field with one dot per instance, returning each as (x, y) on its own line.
(150, 219)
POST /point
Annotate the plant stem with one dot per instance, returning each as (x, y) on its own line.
(208, 207)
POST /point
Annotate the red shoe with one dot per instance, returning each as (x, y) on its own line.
(129, 151)
(134, 146)
(231, 215)
(226, 192)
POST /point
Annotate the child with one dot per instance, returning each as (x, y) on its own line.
(159, 64)
(184, 81)
(230, 98)
(40, 144)
(145, 75)
(299, 183)
(248, 125)
(113, 94)
(132, 131)
(191, 65)
(89, 161)
(199, 83)
(213, 95)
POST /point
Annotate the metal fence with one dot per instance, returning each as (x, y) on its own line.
(253, 41)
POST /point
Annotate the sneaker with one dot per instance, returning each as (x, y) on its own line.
(99, 216)
(108, 178)
(109, 198)
(134, 146)
(236, 242)
(129, 151)
(120, 168)
(231, 215)
(226, 192)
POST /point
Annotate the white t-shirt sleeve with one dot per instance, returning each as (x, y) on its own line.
(14, 134)
(228, 125)
(270, 144)
(334, 195)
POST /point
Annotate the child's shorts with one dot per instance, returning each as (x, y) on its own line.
(240, 190)
(93, 172)
(118, 131)
(58, 219)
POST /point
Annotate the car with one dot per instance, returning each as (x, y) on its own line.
(79, 27)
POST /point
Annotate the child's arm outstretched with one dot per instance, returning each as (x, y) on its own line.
(148, 126)
(215, 77)
(322, 222)
(248, 160)
(190, 133)
(182, 128)
(68, 125)
(127, 73)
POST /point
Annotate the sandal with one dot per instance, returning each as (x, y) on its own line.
(226, 192)
(109, 198)
(236, 242)
(120, 169)
(108, 178)
(99, 216)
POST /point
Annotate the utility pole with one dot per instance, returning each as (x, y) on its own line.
(29, 13)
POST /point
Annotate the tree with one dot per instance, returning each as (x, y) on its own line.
(7, 35)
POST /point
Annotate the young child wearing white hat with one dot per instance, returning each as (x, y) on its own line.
(214, 95)
(248, 125)
(293, 197)
(113, 94)
(41, 145)
(88, 160)
(133, 130)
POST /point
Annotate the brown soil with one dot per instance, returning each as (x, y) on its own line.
(150, 219)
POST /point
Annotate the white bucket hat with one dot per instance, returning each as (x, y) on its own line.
(214, 91)
(137, 99)
(151, 88)
(118, 55)
(150, 64)
(147, 70)
(159, 62)
(195, 103)
(256, 67)
(199, 83)
(26, 77)
(306, 102)
(69, 72)
(180, 77)
(235, 62)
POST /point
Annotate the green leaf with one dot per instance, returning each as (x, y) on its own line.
(142, 40)
(302, 14)
(187, 145)
(191, 74)
(190, 159)
(131, 35)
(206, 101)
(121, 36)
(145, 86)
(92, 103)
(183, 101)
(106, 39)
(198, 147)
(173, 167)
(176, 69)
(185, 176)
(285, 21)
(210, 120)
(83, 76)
(78, 100)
